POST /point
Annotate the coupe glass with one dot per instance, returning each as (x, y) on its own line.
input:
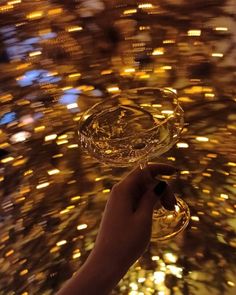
(131, 128)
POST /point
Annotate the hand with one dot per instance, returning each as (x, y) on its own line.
(124, 232)
(126, 225)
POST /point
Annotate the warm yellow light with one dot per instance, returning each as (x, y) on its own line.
(53, 171)
(158, 51)
(76, 255)
(170, 257)
(6, 160)
(54, 11)
(230, 283)
(182, 145)
(168, 41)
(13, 2)
(57, 156)
(167, 112)
(50, 137)
(6, 7)
(211, 95)
(35, 53)
(113, 89)
(75, 198)
(202, 138)
(42, 185)
(145, 5)
(167, 67)
(129, 70)
(19, 162)
(73, 146)
(129, 11)
(232, 164)
(72, 106)
(34, 15)
(194, 33)
(60, 243)
(1, 178)
(184, 172)
(224, 196)
(28, 172)
(75, 29)
(217, 54)
(54, 249)
(75, 75)
(223, 29)
(155, 258)
(60, 142)
(9, 253)
(39, 129)
(141, 280)
(195, 218)
(106, 72)
(24, 272)
(159, 277)
(6, 97)
(82, 226)
(107, 190)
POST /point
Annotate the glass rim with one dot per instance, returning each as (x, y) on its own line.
(148, 131)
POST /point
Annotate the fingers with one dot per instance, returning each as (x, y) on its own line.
(166, 195)
(159, 195)
(145, 177)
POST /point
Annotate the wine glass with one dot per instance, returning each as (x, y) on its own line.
(133, 127)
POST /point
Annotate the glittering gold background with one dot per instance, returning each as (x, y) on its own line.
(58, 58)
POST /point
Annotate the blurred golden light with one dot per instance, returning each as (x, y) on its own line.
(159, 277)
(55, 11)
(35, 15)
(63, 141)
(6, 160)
(82, 226)
(76, 255)
(13, 2)
(73, 146)
(184, 172)
(53, 171)
(35, 53)
(145, 5)
(113, 89)
(168, 41)
(182, 145)
(72, 106)
(194, 33)
(130, 11)
(107, 190)
(75, 29)
(232, 164)
(24, 272)
(50, 137)
(224, 196)
(230, 283)
(61, 243)
(75, 75)
(224, 29)
(39, 129)
(20, 136)
(202, 138)
(217, 54)
(42, 185)
(158, 51)
(9, 253)
(170, 257)
(6, 7)
(195, 218)
(75, 198)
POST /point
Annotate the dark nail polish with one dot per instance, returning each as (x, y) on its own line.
(160, 188)
(168, 204)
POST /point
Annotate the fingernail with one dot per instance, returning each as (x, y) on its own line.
(169, 204)
(160, 188)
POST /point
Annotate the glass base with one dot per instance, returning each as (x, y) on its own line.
(167, 224)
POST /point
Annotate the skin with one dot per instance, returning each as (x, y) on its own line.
(124, 233)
